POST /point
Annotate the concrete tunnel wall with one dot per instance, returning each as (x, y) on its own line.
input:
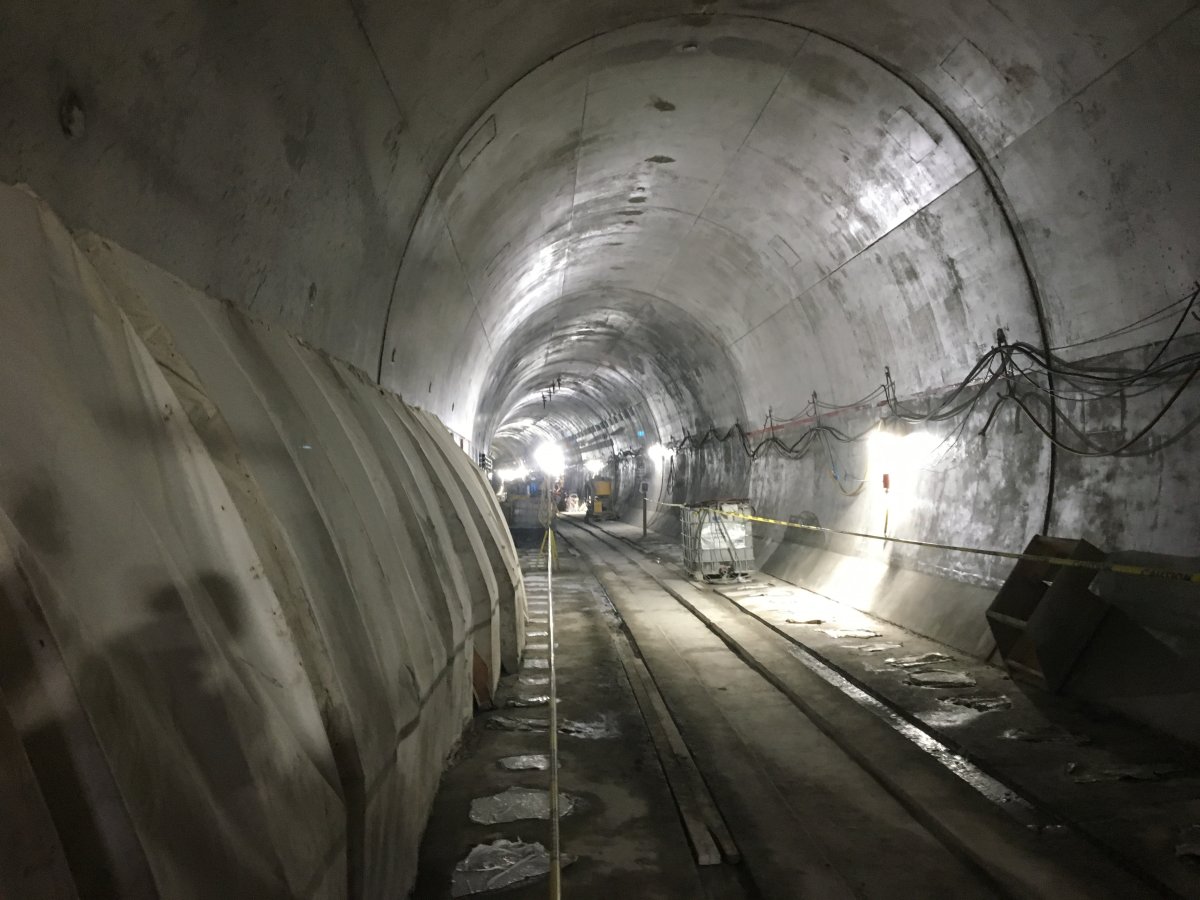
(698, 222)
(695, 215)
(249, 598)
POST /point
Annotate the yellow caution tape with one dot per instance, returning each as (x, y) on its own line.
(1119, 568)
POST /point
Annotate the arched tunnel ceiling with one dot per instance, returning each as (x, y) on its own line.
(768, 193)
(288, 156)
(612, 355)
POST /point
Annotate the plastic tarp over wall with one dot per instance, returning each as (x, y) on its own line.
(247, 599)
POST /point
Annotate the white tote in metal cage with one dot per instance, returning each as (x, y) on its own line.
(718, 547)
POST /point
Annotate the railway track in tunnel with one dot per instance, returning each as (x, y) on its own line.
(823, 795)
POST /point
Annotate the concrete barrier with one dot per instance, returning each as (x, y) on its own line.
(947, 611)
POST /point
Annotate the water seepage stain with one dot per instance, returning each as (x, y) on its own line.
(632, 54)
(1187, 845)
(295, 150)
(660, 160)
(662, 105)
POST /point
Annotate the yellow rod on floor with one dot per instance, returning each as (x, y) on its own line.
(555, 838)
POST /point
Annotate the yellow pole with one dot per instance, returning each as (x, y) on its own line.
(555, 837)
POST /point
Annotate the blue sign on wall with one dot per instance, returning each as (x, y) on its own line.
(641, 434)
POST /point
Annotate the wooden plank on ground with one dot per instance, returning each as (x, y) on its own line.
(691, 811)
(712, 815)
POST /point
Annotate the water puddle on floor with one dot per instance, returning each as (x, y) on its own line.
(985, 784)
(526, 762)
(527, 702)
(518, 803)
(940, 678)
(981, 703)
(1050, 734)
(955, 712)
(913, 662)
(843, 633)
(876, 648)
(501, 864)
(1085, 773)
(601, 727)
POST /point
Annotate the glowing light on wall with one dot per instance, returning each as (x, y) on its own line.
(549, 458)
(901, 455)
(659, 452)
(594, 466)
(513, 473)
(895, 463)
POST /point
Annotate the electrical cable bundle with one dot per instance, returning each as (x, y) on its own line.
(1021, 366)
(1030, 378)
(794, 450)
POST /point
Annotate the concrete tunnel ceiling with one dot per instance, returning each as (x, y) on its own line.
(618, 356)
(661, 217)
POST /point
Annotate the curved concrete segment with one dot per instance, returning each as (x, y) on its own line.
(729, 179)
(242, 586)
(691, 223)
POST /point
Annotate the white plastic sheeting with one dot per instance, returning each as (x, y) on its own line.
(501, 864)
(245, 596)
(500, 549)
(517, 803)
(721, 534)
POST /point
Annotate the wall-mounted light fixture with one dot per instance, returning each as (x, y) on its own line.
(896, 458)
